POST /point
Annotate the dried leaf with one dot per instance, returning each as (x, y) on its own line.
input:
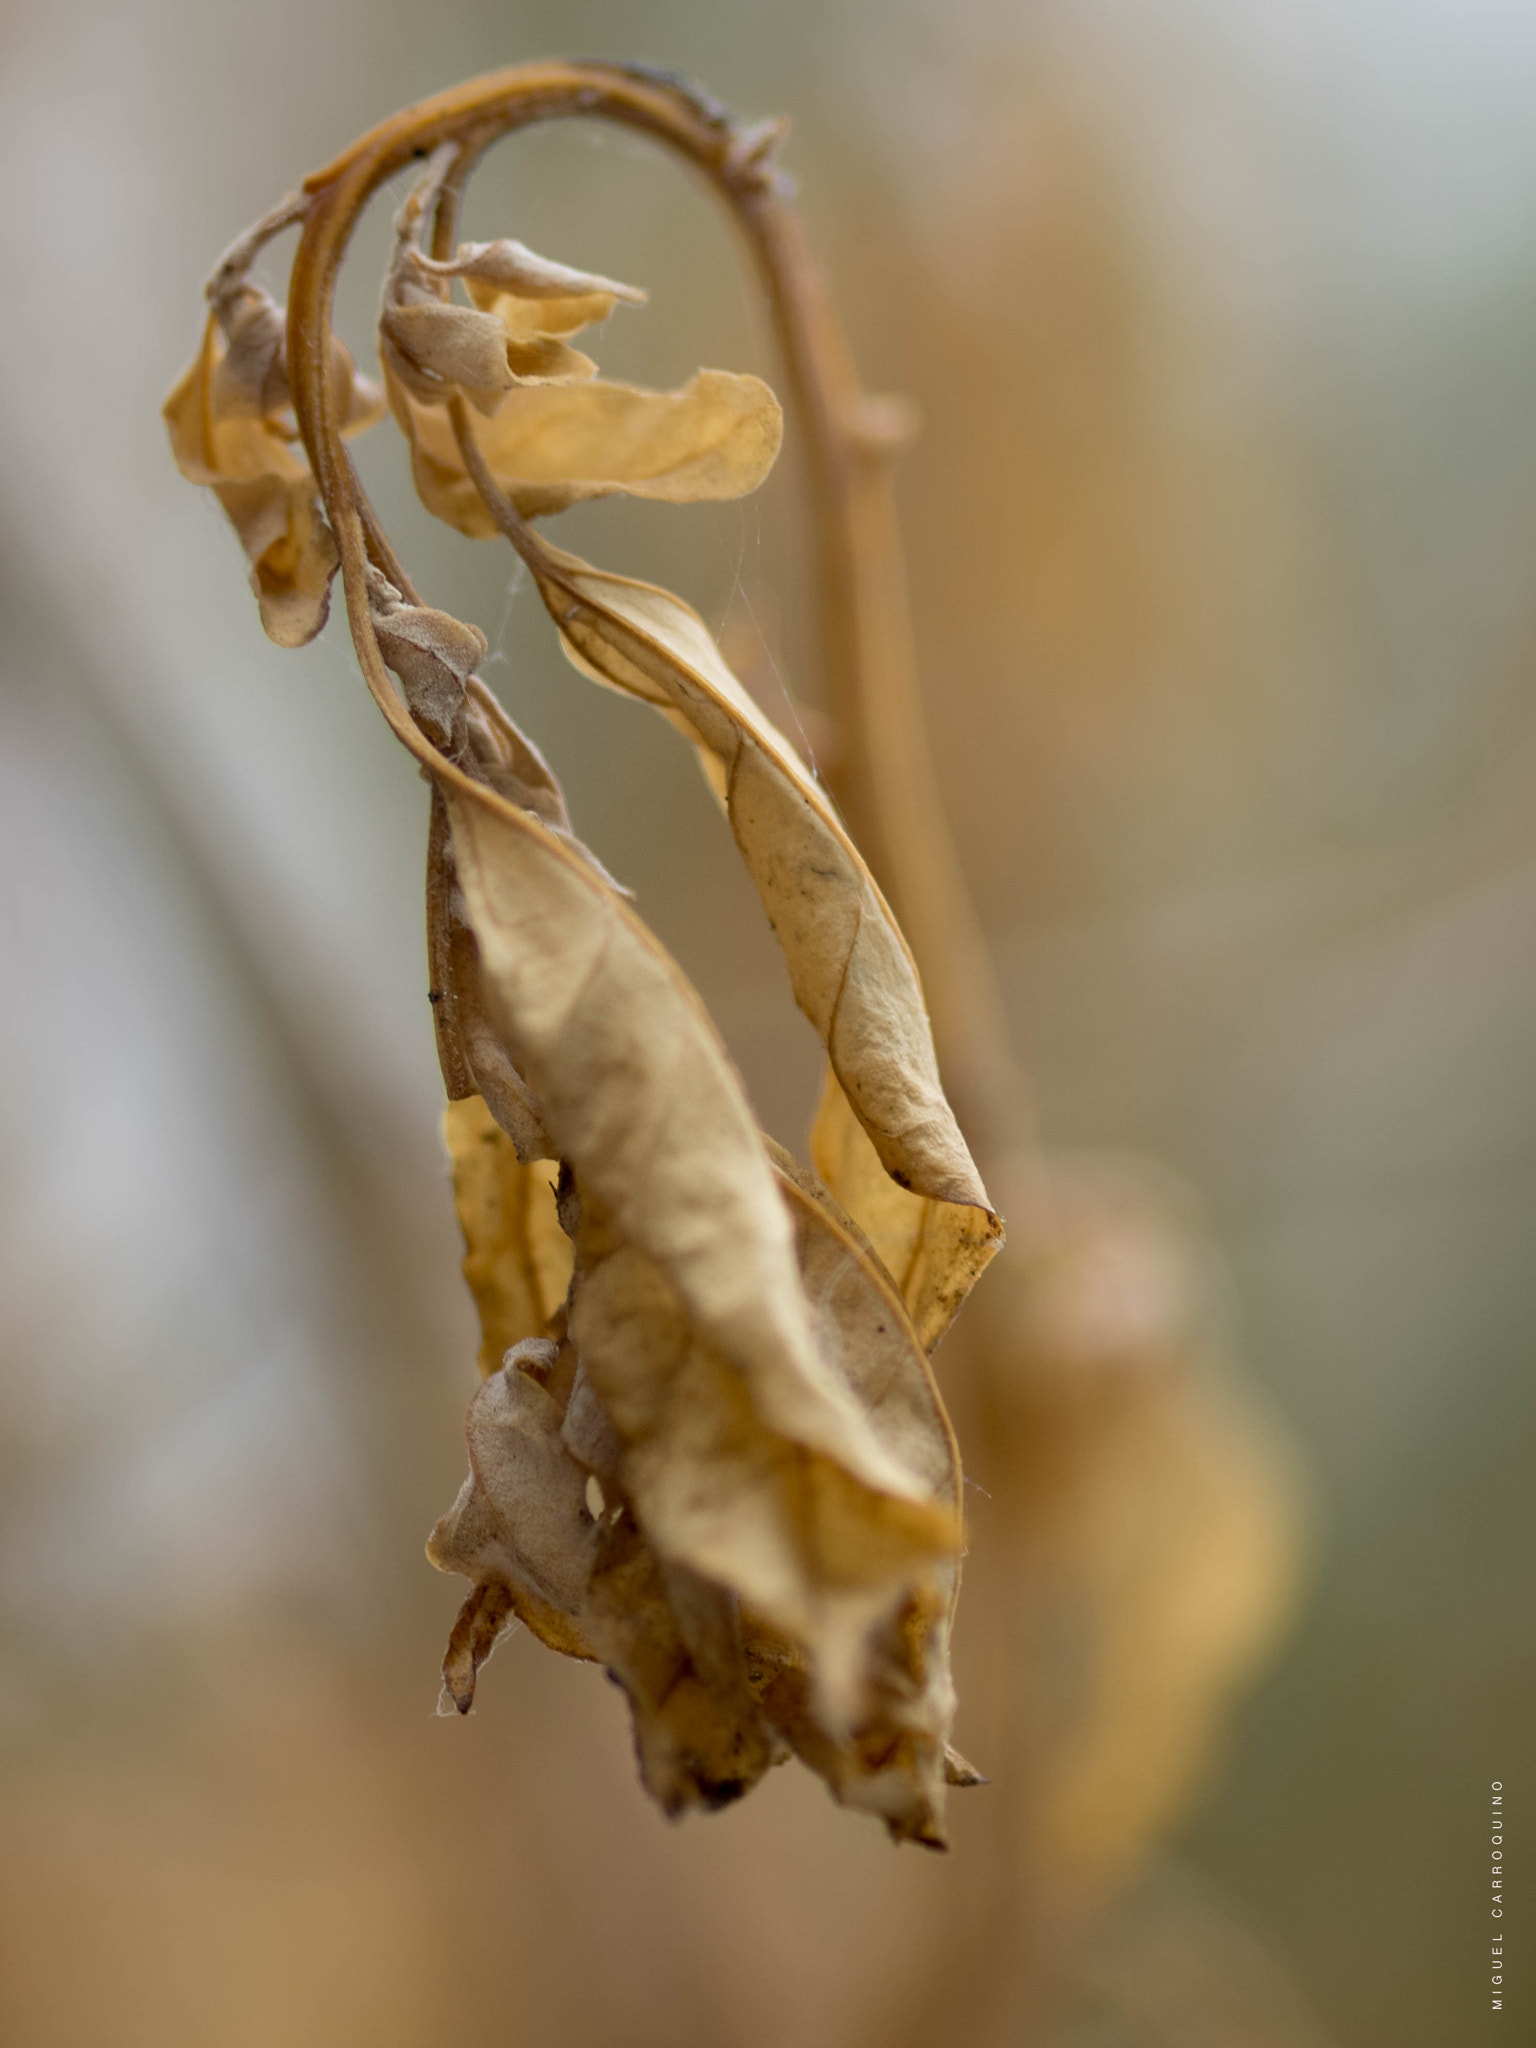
(514, 333)
(543, 358)
(251, 378)
(862, 1327)
(577, 1569)
(1153, 1506)
(641, 1099)
(1178, 1546)
(433, 654)
(895, 1760)
(848, 964)
(779, 1559)
(727, 1486)
(934, 1251)
(480, 1624)
(430, 345)
(226, 433)
(549, 444)
(538, 304)
(517, 1259)
(690, 1661)
(554, 445)
(690, 1308)
(470, 1052)
(550, 298)
(534, 303)
(520, 1522)
(699, 1738)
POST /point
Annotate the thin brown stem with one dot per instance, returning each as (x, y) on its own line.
(243, 251)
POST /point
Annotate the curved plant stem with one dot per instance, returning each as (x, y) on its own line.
(886, 783)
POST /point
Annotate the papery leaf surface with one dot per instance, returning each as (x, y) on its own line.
(860, 1689)
(222, 438)
(572, 1563)
(891, 1762)
(849, 966)
(554, 445)
(639, 1096)
(550, 297)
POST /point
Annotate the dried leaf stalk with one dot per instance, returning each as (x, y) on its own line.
(709, 1450)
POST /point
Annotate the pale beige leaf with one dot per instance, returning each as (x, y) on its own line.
(862, 1326)
(291, 550)
(934, 1251)
(641, 1098)
(437, 345)
(958, 1770)
(1157, 1513)
(848, 964)
(520, 1523)
(717, 1487)
(505, 268)
(483, 1619)
(433, 654)
(252, 376)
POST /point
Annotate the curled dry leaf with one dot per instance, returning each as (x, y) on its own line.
(744, 1499)
(707, 1450)
(469, 1048)
(894, 1761)
(520, 1526)
(747, 1382)
(848, 963)
(639, 1096)
(433, 654)
(229, 430)
(551, 436)
(524, 307)
(554, 445)
(537, 303)
(546, 297)
(684, 1471)
(674, 1643)
(547, 1545)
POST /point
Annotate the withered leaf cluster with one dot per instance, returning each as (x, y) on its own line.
(708, 1450)
(232, 428)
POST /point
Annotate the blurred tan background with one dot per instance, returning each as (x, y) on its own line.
(1222, 321)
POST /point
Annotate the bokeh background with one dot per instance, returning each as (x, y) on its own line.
(1221, 316)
